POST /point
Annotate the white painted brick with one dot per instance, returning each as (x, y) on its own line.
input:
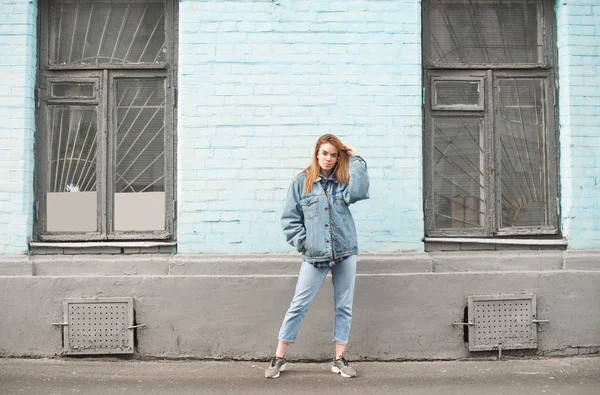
(258, 83)
(579, 118)
(17, 68)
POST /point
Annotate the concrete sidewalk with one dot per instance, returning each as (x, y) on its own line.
(564, 376)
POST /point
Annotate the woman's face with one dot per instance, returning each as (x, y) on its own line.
(327, 156)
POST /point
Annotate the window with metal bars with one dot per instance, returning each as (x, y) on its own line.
(105, 120)
(490, 157)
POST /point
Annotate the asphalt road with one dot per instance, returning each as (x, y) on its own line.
(564, 376)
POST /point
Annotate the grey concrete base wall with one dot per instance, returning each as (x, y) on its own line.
(232, 306)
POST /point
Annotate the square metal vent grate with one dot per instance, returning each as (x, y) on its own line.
(506, 322)
(98, 326)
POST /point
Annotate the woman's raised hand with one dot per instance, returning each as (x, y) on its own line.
(351, 151)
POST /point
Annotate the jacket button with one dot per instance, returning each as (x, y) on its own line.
(326, 225)
(326, 208)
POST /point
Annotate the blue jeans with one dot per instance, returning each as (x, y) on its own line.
(309, 281)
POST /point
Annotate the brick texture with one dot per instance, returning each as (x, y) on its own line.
(17, 82)
(579, 104)
(260, 82)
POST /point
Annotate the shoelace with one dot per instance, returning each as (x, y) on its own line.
(274, 361)
(343, 360)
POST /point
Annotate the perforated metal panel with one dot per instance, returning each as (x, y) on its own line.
(502, 321)
(98, 326)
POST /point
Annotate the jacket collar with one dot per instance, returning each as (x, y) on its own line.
(330, 178)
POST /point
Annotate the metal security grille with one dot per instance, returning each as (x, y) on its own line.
(107, 32)
(98, 326)
(106, 117)
(72, 148)
(484, 32)
(140, 116)
(489, 130)
(502, 322)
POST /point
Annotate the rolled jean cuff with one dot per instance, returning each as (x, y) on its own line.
(338, 341)
(287, 341)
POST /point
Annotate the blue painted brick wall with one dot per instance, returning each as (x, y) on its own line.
(579, 119)
(17, 82)
(259, 82)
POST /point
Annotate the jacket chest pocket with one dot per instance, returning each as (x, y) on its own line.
(310, 207)
(340, 204)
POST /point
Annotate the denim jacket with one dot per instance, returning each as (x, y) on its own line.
(319, 224)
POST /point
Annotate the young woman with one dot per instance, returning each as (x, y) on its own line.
(317, 222)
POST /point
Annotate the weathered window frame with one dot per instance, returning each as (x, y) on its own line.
(457, 77)
(104, 76)
(490, 73)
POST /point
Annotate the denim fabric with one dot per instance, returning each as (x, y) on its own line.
(309, 281)
(319, 224)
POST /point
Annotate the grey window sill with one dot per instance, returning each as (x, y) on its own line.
(98, 244)
(475, 240)
(439, 244)
(98, 247)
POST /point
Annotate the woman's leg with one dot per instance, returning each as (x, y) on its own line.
(281, 349)
(340, 349)
(309, 282)
(343, 277)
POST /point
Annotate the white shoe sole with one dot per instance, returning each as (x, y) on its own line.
(335, 369)
(281, 369)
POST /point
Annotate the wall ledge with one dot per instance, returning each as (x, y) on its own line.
(288, 264)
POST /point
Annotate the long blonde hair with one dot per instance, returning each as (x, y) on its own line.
(342, 167)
